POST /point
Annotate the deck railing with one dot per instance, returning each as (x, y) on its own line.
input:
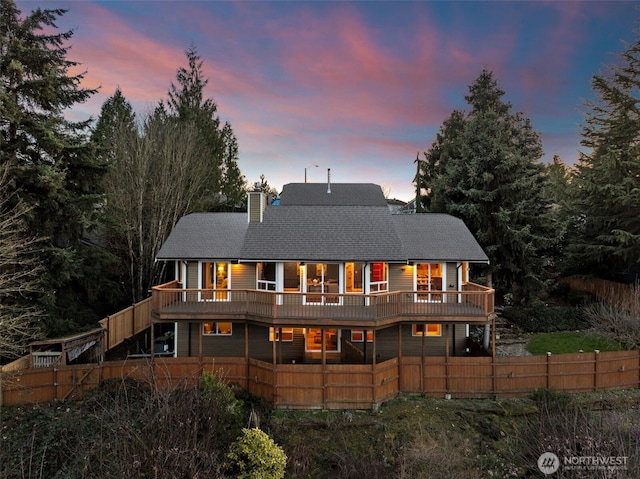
(472, 301)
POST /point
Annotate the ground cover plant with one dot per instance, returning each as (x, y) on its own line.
(125, 429)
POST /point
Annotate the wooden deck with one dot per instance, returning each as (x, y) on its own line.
(473, 305)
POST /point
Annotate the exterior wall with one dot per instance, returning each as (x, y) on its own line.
(286, 352)
(243, 276)
(386, 343)
(227, 346)
(452, 276)
(192, 274)
(434, 345)
(400, 280)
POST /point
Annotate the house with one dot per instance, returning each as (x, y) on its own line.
(326, 275)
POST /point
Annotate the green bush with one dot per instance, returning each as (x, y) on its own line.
(254, 455)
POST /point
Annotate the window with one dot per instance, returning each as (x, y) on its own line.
(378, 277)
(285, 336)
(429, 329)
(314, 339)
(266, 276)
(214, 276)
(357, 335)
(322, 278)
(429, 278)
(353, 277)
(292, 272)
(217, 329)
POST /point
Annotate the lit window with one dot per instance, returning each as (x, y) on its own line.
(378, 280)
(217, 329)
(314, 339)
(427, 329)
(281, 334)
(357, 335)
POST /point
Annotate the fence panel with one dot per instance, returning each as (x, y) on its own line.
(518, 375)
(572, 372)
(351, 386)
(618, 370)
(434, 382)
(469, 379)
(410, 371)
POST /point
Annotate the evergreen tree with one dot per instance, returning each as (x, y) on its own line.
(224, 183)
(116, 115)
(485, 169)
(605, 189)
(234, 187)
(52, 163)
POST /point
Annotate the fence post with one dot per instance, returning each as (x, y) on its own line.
(548, 368)
(596, 357)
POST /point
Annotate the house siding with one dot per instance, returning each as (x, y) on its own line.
(452, 276)
(434, 345)
(386, 343)
(192, 274)
(243, 276)
(286, 351)
(228, 346)
(400, 280)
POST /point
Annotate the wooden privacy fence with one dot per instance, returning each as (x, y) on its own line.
(344, 386)
(608, 291)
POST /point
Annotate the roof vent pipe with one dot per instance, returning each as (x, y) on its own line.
(328, 180)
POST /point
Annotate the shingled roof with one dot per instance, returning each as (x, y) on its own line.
(341, 194)
(201, 236)
(351, 223)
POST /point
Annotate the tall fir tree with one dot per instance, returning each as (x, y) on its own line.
(186, 102)
(53, 166)
(484, 168)
(605, 189)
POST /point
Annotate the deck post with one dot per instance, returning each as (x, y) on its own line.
(274, 366)
(424, 327)
(446, 357)
(400, 385)
(596, 356)
(246, 352)
(323, 360)
(200, 327)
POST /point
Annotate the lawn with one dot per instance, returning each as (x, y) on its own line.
(570, 342)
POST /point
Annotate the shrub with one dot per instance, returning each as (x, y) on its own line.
(618, 320)
(254, 455)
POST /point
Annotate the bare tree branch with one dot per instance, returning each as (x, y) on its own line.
(19, 271)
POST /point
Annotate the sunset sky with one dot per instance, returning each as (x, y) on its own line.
(358, 87)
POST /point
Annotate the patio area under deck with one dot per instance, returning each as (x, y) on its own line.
(473, 304)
